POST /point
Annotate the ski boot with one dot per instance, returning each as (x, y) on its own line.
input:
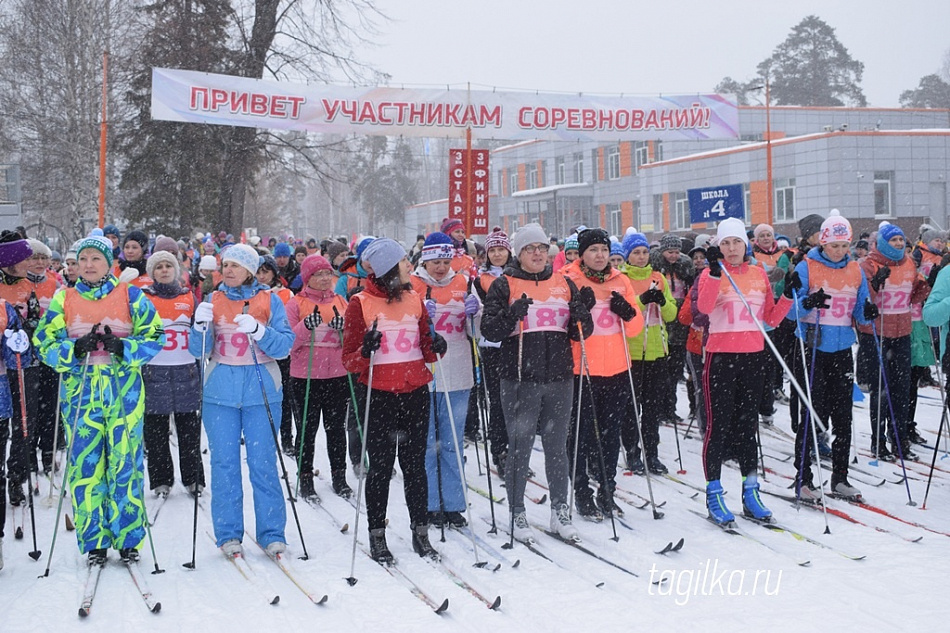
(162, 490)
(455, 519)
(306, 487)
(718, 512)
(340, 487)
(97, 557)
(16, 498)
(521, 530)
(656, 466)
(232, 548)
(378, 549)
(586, 508)
(129, 555)
(500, 459)
(808, 493)
(421, 544)
(841, 487)
(275, 548)
(634, 463)
(751, 502)
(605, 501)
(561, 522)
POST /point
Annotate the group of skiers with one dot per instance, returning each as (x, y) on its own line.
(399, 354)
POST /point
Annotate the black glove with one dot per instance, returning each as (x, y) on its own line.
(870, 310)
(586, 296)
(653, 295)
(579, 312)
(112, 343)
(354, 291)
(439, 345)
(519, 307)
(792, 283)
(336, 323)
(713, 255)
(86, 344)
(878, 279)
(817, 300)
(932, 277)
(313, 320)
(371, 342)
(621, 307)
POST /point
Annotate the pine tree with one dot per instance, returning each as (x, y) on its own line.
(932, 92)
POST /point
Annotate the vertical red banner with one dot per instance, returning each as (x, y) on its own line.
(468, 189)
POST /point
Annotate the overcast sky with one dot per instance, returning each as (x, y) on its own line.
(648, 48)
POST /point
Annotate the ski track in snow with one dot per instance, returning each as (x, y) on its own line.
(892, 590)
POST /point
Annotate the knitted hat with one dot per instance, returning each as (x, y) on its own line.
(497, 237)
(39, 248)
(733, 227)
(450, 224)
(362, 244)
(531, 233)
(162, 256)
(616, 248)
(334, 249)
(383, 254)
(268, 261)
(762, 228)
(571, 243)
(929, 234)
(254, 240)
(835, 229)
(242, 255)
(862, 244)
(810, 224)
(437, 246)
(702, 240)
(283, 250)
(312, 264)
(670, 242)
(887, 232)
(56, 257)
(97, 242)
(14, 249)
(137, 236)
(589, 237)
(631, 240)
(208, 262)
(165, 243)
(111, 229)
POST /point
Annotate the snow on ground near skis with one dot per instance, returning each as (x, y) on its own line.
(892, 589)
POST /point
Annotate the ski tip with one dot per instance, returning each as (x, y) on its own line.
(599, 585)
(517, 562)
(18, 534)
(275, 601)
(442, 608)
(345, 528)
(321, 600)
(495, 604)
(804, 563)
(83, 612)
(157, 608)
(679, 544)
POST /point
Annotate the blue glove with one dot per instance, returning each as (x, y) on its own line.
(430, 308)
(471, 305)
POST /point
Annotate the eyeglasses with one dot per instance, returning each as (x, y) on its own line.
(531, 249)
(323, 273)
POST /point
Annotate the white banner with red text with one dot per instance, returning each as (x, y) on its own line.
(195, 97)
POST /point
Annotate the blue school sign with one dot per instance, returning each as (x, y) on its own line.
(714, 204)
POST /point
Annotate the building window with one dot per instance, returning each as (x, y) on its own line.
(593, 165)
(785, 200)
(883, 194)
(579, 167)
(613, 163)
(680, 211)
(641, 154)
(501, 182)
(747, 203)
(559, 171)
(512, 181)
(614, 219)
(532, 176)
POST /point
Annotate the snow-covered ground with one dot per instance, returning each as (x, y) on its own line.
(716, 582)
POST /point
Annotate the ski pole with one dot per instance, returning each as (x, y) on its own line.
(434, 399)
(577, 431)
(481, 376)
(943, 420)
(585, 371)
(351, 579)
(301, 438)
(36, 553)
(877, 432)
(636, 413)
(273, 428)
(890, 406)
(356, 409)
(48, 502)
(69, 447)
(201, 379)
(117, 404)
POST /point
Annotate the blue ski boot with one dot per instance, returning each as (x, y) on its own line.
(718, 512)
(751, 502)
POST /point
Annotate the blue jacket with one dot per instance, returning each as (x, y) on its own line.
(239, 385)
(937, 307)
(831, 338)
(341, 283)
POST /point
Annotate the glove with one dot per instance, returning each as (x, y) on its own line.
(204, 314)
(112, 343)
(519, 308)
(932, 277)
(586, 296)
(430, 308)
(371, 342)
(713, 255)
(247, 324)
(817, 300)
(439, 345)
(313, 320)
(621, 307)
(878, 279)
(471, 305)
(128, 274)
(356, 290)
(86, 344)
(792, 283)
(653, 295)
(336, 323)
(870, 311)
(17, 340)
(579, 312)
